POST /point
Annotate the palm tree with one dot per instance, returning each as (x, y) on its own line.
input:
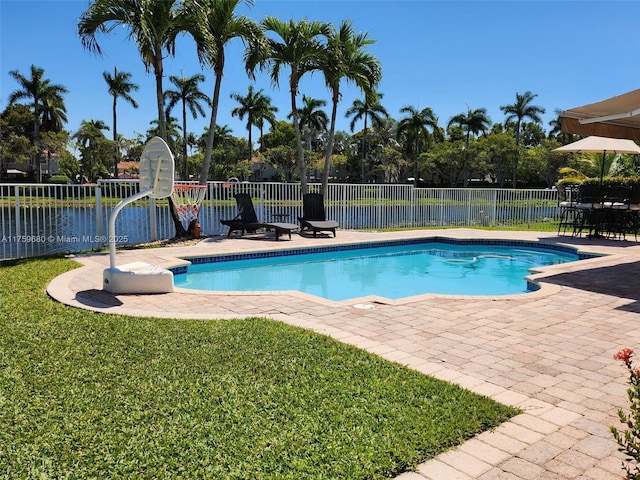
(473, 122)
(413, 126)
(254, 105)
(119, 86)
(346, 59)
(369, 108)
(92, 144)
(300, 49)
(267, 112)
(174, 131)
(153, 25)
(53, 114)
(556, 129)
(222, 135)
(214, 25)
(46, 100)
(188, 93)
(312, 120)
(518, 111)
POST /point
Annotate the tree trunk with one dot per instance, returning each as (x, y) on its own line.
(515, 161)
(204, 172)
(184, 141)
(115, 139)
(250, 123)
(329, 149)
(162, 121)
(302, 165)
(162, 129)
(364, 148)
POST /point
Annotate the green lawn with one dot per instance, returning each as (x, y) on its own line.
(87, 395)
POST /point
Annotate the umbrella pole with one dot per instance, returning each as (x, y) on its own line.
(604, 159)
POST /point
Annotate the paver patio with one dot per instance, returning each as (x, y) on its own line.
(549, 352)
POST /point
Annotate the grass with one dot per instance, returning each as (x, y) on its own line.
(88, 395)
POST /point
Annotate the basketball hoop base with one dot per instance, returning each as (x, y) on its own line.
(137, 277)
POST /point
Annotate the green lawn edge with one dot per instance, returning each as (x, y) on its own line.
(91, 395)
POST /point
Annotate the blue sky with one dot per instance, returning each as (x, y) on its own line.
(446, 55)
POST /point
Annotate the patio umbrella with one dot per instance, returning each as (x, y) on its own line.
(615, 117)
(601, 144)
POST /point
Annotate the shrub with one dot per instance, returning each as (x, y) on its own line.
(629, 440)
(59, 179)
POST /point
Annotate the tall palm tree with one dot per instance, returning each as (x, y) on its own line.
(413, 126)
(517, 112)
(346, 59)
(312, 119)
(299, 48)
(215, 24)
(47, 101)
(253, 105)
(46, 98)
(369, 108)
(152, 25)
(188, 93)
(473, 122)
(119, 87)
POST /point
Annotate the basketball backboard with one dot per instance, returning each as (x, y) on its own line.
(157, 169)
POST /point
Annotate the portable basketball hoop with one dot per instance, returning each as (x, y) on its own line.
(156, 181)
(187, 198)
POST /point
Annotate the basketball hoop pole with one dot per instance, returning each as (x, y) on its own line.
(156, 179)
(111, 230)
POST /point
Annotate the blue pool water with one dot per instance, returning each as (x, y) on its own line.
(391, 271)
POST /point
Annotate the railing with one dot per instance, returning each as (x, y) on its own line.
(41, 219)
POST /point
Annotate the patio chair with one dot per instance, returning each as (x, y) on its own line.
(313, 217)
(567, 204)
(247, 220)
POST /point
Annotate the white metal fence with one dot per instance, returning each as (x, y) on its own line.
(41, 219)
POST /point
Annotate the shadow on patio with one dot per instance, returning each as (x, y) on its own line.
(615, 280)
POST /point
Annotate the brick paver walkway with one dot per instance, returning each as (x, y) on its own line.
(548, 352)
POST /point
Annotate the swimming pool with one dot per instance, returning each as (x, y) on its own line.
(391, 270)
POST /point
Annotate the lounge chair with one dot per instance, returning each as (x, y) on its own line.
(247, 220)
(313, 215)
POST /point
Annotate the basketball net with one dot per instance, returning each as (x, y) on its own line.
(187, 199)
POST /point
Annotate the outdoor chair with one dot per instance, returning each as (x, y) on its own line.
(589, 210)
(567, 204)
(247, 220)
(314, 218)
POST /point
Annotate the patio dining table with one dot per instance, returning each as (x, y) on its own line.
(607, 218)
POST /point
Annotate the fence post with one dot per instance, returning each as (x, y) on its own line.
(99, 216)
(153, 221)
(209, 195)
(494, 214)
(412, 197)
(529, 209)
(16, 193)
